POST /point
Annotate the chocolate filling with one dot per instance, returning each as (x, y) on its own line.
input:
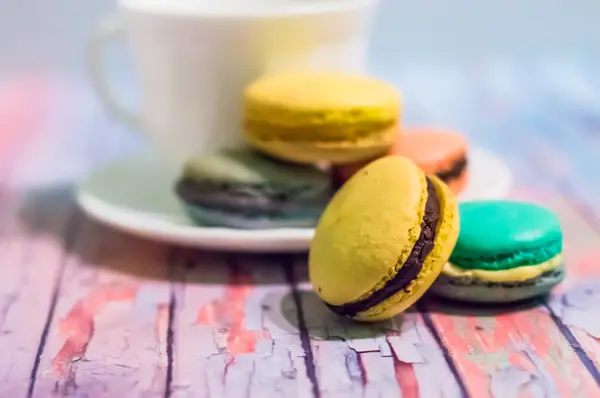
(453, 172)
(412, 266)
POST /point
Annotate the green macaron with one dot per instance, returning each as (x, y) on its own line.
(506, 251)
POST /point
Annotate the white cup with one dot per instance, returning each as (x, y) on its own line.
(193, 60)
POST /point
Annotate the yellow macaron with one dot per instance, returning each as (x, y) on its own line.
(382, 240)
(309, 117)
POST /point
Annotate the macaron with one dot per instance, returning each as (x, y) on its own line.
(435, 151)
(243, 189)
(507, 251)
(382, 240)
(314, 117)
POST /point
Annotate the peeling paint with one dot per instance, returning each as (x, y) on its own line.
(580, 307)
(508, 382)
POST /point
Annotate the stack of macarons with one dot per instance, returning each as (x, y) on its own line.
(346, 121)
(388, 226)
(301, 121)
(293, 124)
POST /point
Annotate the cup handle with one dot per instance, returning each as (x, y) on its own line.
(107, 32)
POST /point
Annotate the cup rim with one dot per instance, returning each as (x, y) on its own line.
(306, 9)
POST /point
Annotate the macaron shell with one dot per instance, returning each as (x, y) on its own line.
(433, 150)
(368, 228)
(336, 152)
(446, 236)
(494, 227)
(318, 98)
(245, 166)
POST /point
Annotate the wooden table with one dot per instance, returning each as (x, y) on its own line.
(86, 311)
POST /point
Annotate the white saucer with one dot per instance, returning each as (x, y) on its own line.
(136, 195)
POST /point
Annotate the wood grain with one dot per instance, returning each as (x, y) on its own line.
(396, 358)
(108, 334)
(236, 329)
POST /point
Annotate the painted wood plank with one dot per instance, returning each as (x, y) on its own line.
(397, 358)
(552, 144)
(32, 247)
(108, 334)
(510, 351)
(236, 329)
(576, 307)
